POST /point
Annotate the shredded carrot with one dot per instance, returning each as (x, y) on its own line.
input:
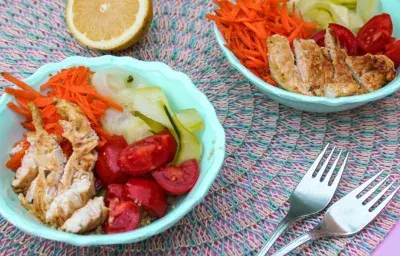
(15, 161)
(43, 101)
(20, 93)
(247, 24)
(20, 110)
(102, 132)
(19, 83)
(29, 126)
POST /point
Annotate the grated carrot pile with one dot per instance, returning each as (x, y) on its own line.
(72, 84)
(247, 24)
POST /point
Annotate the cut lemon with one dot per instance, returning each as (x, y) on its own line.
(108, 24)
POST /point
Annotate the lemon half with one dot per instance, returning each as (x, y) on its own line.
(108, 24)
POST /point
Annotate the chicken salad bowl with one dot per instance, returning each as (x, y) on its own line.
(315, 73)
(95, 164)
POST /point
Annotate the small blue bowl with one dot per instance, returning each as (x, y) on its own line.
(181, 94)
(313, 103)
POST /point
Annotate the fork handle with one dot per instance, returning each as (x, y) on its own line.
(284, 224)
(311, 235)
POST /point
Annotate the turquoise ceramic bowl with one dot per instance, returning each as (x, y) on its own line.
(180, 92)
(319, 104)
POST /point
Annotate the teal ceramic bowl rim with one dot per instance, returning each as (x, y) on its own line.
(364, 98)
(191, 200)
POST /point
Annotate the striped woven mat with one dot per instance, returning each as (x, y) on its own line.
(269, 146)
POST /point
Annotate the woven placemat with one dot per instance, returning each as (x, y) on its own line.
(269, 146)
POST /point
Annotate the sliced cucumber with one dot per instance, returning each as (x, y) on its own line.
(124, 123)
(155, 126)
(145, 100)
(190, 119)
(189, 145)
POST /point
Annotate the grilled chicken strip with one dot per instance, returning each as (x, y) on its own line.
(28, 170)
(342, 83)
(50, 161)
(76, 127)
(87, 218)
(77, 163)
(371, 71)
(82, 137)
(72, 199)
(282, 68)
(315, 69)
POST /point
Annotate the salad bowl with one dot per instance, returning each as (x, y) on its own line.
(314, 103)
(181, 94)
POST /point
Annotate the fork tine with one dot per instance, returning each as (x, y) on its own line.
(372, 190)
(379, 196)
(358, 190)
(322, 170)
(382, 205)
(316, 162)
(340, 172)
(332, 169)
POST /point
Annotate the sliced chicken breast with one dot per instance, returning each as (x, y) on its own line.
(28, 170)
(371, 71)
(72, 199)
(76, 163)
(50, 161)
(282, 67)
(342, 83)
(314, 68)
(87, 218)
(76, 127)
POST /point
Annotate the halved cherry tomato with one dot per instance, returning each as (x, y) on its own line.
(319, 38)
(346, 38)
(393, 52)
(145, 155)
(376, 33)
(148, 194)
(123, 217)
(115, 191)
(107, 168)
(178, 180)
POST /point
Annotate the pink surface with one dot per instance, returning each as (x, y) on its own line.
(389, 245)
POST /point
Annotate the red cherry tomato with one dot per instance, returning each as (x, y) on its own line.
(145, 155)
(107, 168)
(393, 52)
(319, 38)
(178, 180)
(123, 217)
(148, 194)
(115, 191)
(375, 34)
(346, 38)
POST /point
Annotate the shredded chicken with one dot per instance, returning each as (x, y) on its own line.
(55, 190)
(50, 161)
(76, 127)
(72, 199)
(28, 170)
(88, 217)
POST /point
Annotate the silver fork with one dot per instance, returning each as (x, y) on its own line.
(347, 216)
(310, 196)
